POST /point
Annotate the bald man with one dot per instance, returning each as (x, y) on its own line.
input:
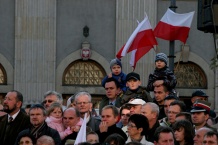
(199, 135)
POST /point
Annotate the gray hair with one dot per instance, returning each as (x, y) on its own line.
(45, 139)
(59, 96)
(154, 108)
(85, 94)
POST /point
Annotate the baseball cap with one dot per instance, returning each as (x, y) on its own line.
(136, 102)
(200, 93)
(132, 75)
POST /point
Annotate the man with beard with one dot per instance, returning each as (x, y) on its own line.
(38, 126)
(15, 120)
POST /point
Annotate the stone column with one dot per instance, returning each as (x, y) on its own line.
(35, 48)
(128, 12)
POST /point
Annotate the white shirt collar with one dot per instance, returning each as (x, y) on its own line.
(13, 116)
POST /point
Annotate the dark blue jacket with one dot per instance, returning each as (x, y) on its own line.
(121, 78)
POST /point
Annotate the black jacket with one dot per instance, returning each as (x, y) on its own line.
(20, 123)
(94, 123)
(164, 74)
(150, 132)
(45, 130)
(112, 129)
(105, 101)
(71, 136)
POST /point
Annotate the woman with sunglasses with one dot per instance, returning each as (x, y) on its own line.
(137, 127)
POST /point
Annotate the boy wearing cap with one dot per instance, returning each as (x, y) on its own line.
(162, 75)
(134, 89)
(116, 72)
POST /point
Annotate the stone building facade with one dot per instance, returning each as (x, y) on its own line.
(41, 44)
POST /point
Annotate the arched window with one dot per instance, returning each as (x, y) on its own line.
(190, 75)
(3, 76)
(82, 72)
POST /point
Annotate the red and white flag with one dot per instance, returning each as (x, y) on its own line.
(141, 37)
(137, 54)
(174, 26)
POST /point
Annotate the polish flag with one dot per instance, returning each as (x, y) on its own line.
(142, 36)
(173, 26)
(137, 54)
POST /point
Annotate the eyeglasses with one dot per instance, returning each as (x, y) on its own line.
(25, 142)
(49, 101)
(130, 125)
(80, 103)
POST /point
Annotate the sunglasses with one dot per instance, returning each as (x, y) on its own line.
(49, 101)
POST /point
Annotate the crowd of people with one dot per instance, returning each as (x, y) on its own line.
(128, 115)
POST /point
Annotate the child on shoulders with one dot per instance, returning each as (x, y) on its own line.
(162, 75)
(116, 73)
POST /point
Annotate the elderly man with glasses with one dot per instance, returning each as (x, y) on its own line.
(83, 102)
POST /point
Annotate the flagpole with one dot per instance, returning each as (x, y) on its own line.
(172, 43)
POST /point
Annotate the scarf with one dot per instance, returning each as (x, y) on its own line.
(36, 131)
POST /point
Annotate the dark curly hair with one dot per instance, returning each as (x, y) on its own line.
(140, 121)
(189, 132)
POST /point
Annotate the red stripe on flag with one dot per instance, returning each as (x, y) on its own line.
(142, 39)
(169, 32)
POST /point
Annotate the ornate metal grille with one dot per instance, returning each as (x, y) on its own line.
(83, 73)
(190, 75)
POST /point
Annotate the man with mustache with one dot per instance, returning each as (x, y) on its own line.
(15, 120)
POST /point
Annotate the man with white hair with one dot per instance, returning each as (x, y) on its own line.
(151, 111)
(83, 102)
